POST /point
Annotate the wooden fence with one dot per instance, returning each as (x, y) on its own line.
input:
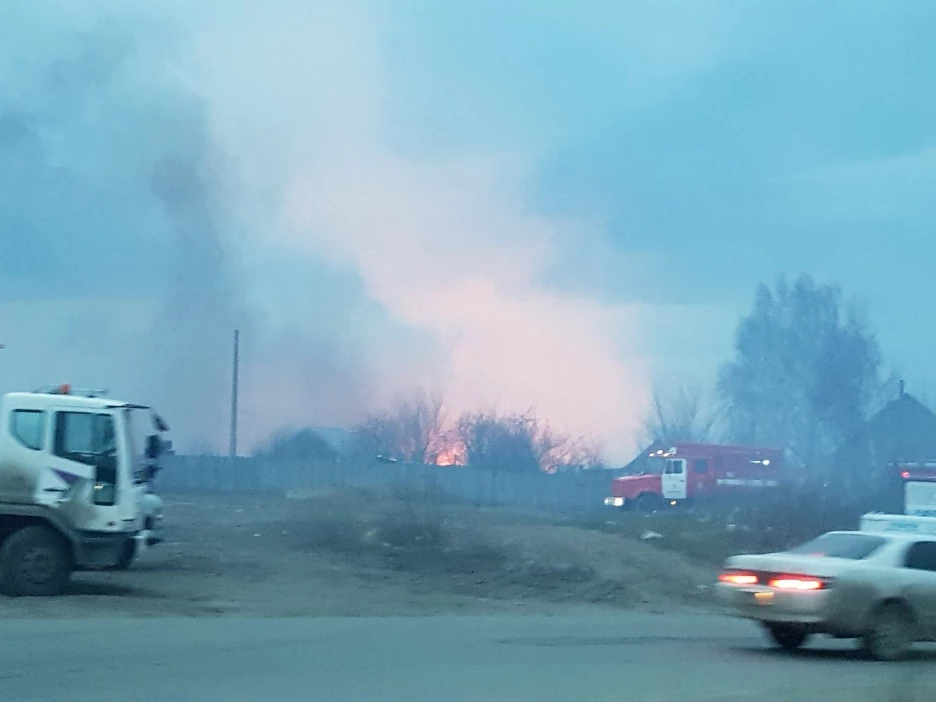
(573, 491)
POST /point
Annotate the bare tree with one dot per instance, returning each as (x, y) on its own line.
(499, 442)
(302, 445)
(416, 429)
(521, 443)
(422, 420)
(376, 435)
(570, 452)
(413, 430)
(680, 413)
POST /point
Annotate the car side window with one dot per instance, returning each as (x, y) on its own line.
(28, 428)
(921, 556)
(701, 465)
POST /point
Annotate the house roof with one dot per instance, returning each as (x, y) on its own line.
(905, 430)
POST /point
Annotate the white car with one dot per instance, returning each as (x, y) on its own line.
(877, 584)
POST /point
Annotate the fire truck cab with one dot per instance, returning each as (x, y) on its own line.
(692, 471)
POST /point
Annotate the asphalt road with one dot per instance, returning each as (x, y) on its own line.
(641, 657)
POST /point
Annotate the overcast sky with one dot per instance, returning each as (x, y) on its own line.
(525, 203)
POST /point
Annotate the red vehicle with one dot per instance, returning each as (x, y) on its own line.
(687, 472)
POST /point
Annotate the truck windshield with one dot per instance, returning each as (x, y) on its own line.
(852, 546)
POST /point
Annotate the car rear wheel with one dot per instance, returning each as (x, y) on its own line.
(890, 634)
(786, 636)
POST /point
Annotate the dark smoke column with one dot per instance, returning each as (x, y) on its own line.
(191, 337)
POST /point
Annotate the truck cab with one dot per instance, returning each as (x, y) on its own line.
(74, 475)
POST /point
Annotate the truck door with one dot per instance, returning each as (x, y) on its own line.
(701, 478)
(94, 443)
(674, 479)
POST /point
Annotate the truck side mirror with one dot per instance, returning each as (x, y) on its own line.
(154, 447)
(105, 482)
(105, 494)
(160, 423)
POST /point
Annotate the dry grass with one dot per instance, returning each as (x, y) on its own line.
(498, 554)
(761, 524)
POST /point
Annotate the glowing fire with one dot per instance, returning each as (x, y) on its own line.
(452, 454)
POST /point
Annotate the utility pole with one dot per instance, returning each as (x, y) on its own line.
(234, 388)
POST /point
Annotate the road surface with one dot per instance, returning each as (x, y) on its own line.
(617, 657)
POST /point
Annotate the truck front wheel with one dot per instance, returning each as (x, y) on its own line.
(648, 502)
(35, 561)
(127, 555)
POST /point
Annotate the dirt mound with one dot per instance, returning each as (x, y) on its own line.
(496, 554)
(370, 554)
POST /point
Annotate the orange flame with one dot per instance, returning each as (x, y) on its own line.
(451, 454)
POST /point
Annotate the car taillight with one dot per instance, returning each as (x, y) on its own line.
(797, 583)
(738, 578)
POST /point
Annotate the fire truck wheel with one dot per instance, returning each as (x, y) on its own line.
(34, 562)
(648, 502)
(787, 637)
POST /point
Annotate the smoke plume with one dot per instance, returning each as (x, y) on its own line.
(248, 174)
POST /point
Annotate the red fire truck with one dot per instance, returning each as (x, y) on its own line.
(687, 472)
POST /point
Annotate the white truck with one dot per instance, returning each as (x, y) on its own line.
(75, 486)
